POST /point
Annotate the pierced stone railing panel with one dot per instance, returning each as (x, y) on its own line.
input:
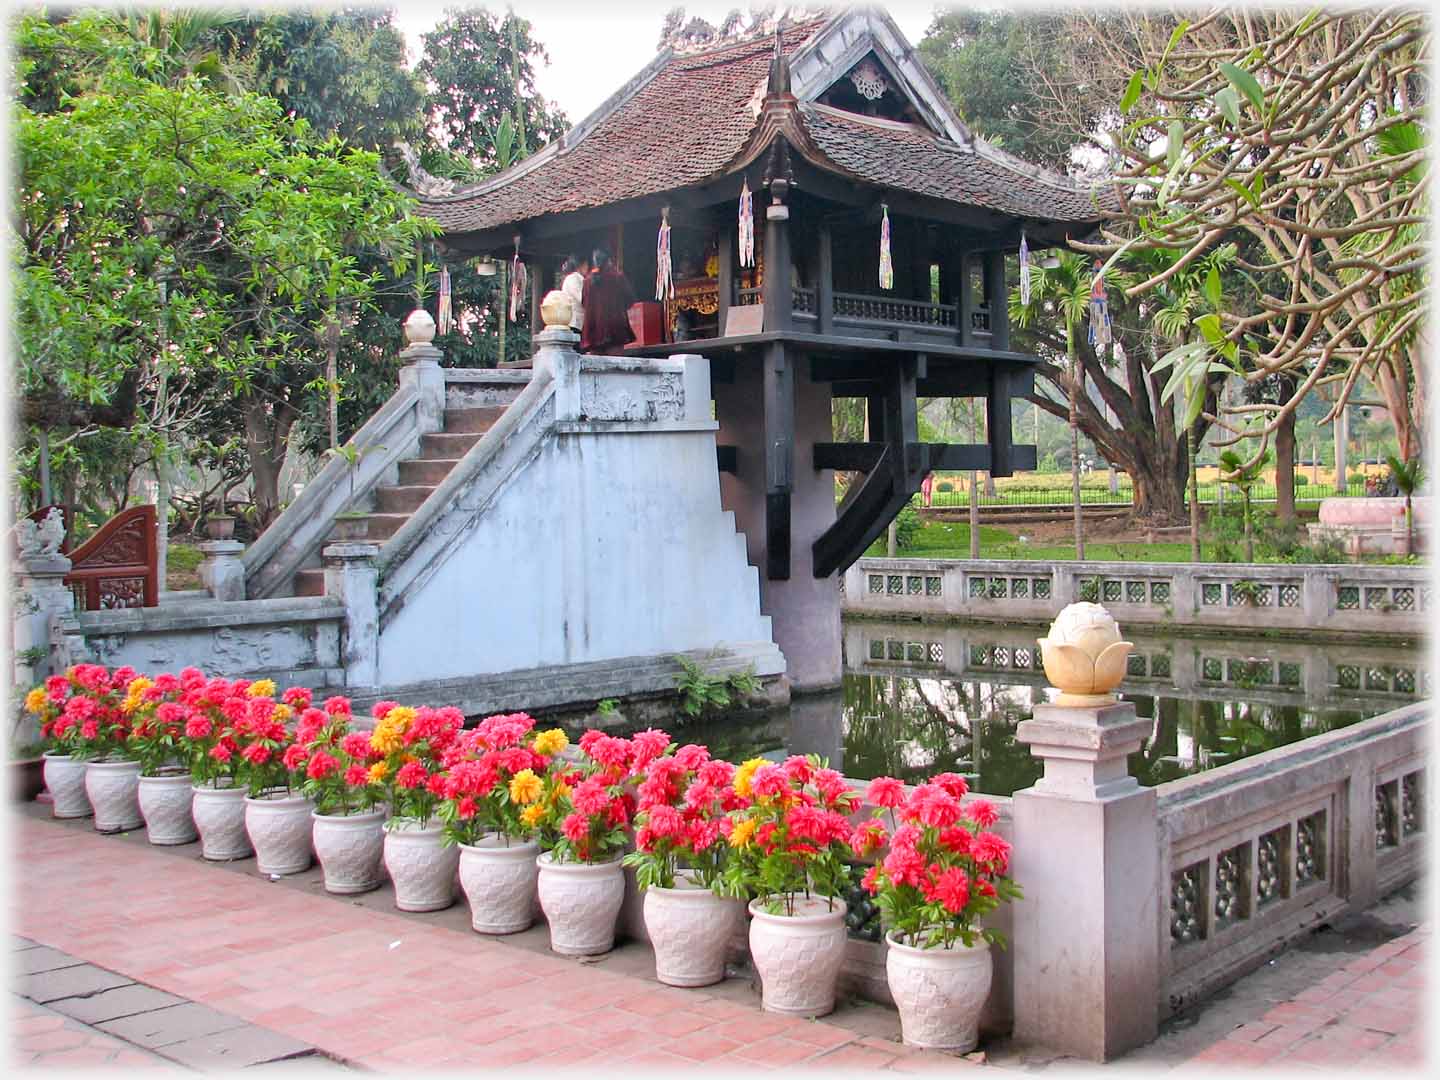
(1258, 852)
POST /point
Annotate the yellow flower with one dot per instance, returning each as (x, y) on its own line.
(525, 787)
(138, 686)
(745, 773)
(402, 716)
(35, 700)
(532, 815)
(551, 742)
(283, 712)
(386, 739)
(378, 772)
(259, 688)
(741, 833)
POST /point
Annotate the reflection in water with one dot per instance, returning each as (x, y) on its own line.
(919, 700)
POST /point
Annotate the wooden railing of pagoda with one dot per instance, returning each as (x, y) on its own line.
(866, 315)
(118, 567)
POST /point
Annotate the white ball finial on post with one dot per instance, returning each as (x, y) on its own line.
(556, 310)
(419, 328)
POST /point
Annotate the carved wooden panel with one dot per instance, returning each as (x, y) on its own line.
(118, 566)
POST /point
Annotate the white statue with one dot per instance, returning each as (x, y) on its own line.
(43, 539)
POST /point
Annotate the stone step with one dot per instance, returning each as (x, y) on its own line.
(383, 526)
(404, 499)
(310, 583)
(425, 470)
(446, 446)
(475, 421)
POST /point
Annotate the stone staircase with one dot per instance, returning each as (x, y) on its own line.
(393, 505)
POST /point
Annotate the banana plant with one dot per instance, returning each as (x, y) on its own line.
(1234, 470)
(1407, 476)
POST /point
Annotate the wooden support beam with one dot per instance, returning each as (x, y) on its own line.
(967, 300)
(997, 296)
(725, 275)
(825, 283)
(997, 422)
(776, 289)
(862, 457)
(779, 415)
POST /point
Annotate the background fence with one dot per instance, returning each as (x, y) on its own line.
(1031, 493)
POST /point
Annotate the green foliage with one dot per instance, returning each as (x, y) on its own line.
(907, 527)
(701, 693)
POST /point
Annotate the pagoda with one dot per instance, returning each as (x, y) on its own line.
(839, 135)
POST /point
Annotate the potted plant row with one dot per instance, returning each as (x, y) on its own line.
(524, 817)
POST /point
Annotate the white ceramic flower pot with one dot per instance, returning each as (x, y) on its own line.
(690, 930)
(219, 815)
(113, 789)
(349, 847)
(65, 780)
(279, 827)
(421, 866)
(798, 956)
(939, 992)
(499, 882)
(581, 902)
(165, 804)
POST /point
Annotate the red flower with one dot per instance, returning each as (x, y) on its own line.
(337, 706)
(411, 775)
(357, 776)
(220, 752)
(590, 797)
(321, 765)
(868, 837)
(951, 888)
(692, 756)
(297, 697)
(356, 745)
(666, 821)
(380, 708)
(983, 813)
(294, 756)
(198, 727)
(576, 828)
(951, 782)
(885, 791)
(465, 808)
(868, 882)
(256, 753)
(993, 850)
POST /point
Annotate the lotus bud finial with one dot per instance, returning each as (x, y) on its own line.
(419, 328)
(556, 310)
(1084, 655)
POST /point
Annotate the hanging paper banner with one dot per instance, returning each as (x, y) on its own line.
(664, 282)
(1024, 271)
(518, 284)
(445, 315)
(887, 266)
(747, 225)
(1099, 312)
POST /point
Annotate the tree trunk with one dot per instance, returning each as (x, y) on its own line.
(1249, 536)
(1194, 471)
(974, 515)
(266, 439)
(1285, 469)
(1075, 375)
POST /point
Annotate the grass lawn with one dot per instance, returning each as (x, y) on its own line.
(951, 540)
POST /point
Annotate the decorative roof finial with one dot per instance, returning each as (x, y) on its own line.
(779, 69)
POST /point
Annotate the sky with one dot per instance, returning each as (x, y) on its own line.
(596, 46)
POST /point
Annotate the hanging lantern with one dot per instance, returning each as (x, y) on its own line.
(518, 284)
(747, 225)
(664, 282)
(446, 316)
(887, 266)
(1100, 336)
(1024, 271)
(487, 267)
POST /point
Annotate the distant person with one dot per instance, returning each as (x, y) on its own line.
(573, 273)
(607, 301)
(926, 486)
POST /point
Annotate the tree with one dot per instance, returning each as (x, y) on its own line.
(178, 233)
(1406, 476)
(479, 69)
(1303, 132)
(984, 62)
(1244, 475)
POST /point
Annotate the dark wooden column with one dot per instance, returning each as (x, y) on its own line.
(725, 276)
(779, 406)
(999, 301)
(825, 283)
(967, 298)
(538, 273)
(777, 290)
(997, 421)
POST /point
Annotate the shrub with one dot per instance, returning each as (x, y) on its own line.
(907, 527)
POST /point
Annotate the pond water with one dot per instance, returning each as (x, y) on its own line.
(920, 699)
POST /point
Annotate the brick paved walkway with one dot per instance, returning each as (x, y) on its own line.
(1370, 1013)
(385, 990)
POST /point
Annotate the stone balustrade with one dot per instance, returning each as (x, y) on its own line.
(1331, 599)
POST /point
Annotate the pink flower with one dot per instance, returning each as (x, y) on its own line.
(798, 769)
(608, 750)
(465, 808)
(590, 796)
(868, 882)
(357, 776)
(703, 834)
(321, 765)
(575, 827)
(256, 753)
(380, 708)
(666, 821)
(992, 849)
(57, 688)
(220, 752)
(905, 867)
(831, 785)
(411, 775)
(691, 756)
(356, 745)
(436, 785)
(885, 791)
(648, 745)
(297, 697)
(294, 756)
(951, 888)
(337, 706)
(868, 837)
(982, 812)
(951, 782)
(716, 772)
(198, 727)
(934, 806)
(769, 780)
(167, 683)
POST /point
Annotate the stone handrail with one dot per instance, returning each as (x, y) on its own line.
(390, 436)
(1256, 853)
(1331, 599)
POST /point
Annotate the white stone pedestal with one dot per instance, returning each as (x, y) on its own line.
(221, 570)
(352, 577)
(1087, 975)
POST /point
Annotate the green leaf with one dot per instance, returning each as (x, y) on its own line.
(1213, 289)
(1246, 83)
(1175, 37)
(1228, 102)
(1132, 92)
(1174, 143)
(1244, 192)
(1210, 327)
(1195, 401)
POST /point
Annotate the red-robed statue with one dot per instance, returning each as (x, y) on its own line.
(608, 297)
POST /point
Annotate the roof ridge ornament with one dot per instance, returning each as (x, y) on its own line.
(779, 82)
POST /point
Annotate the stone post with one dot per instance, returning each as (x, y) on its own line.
(43, 596)
(353, 578)
(556, 353)
(422, 371)
(1087, 941)
(221, 570)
